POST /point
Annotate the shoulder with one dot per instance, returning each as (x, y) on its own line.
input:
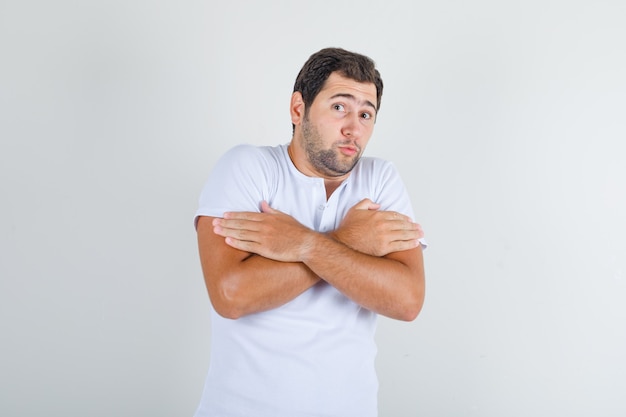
(374, 166)
(242, 177)
(248, 156)
(243, 151)
(374, 161)
(382, 181)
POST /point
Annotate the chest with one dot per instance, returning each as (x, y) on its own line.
(306, 201)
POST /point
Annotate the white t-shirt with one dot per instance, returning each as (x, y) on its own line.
(313, 356)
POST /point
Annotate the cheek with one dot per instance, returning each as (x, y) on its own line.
(329, 130)
(367, 134)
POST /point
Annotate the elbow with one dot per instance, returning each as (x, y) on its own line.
(227, 311)
(414, 300)
(225, 303)
(410, 313)
(412, 307)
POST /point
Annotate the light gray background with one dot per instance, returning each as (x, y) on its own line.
(506, 119)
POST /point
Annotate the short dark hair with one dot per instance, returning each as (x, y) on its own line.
(320, 65)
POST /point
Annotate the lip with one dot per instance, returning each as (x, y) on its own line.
(348, 150)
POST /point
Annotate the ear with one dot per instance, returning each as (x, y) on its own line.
(296, 108)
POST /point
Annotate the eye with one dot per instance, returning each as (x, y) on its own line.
(338, 107)
(366, 115)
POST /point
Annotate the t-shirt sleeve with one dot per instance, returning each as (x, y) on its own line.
(237, 183)
(392, 194)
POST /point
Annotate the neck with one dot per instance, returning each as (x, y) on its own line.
(299, 161)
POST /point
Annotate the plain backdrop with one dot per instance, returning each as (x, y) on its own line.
(505, 118)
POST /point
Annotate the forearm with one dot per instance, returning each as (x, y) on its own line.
(241, 283)
(387, 278)
(392, 285)
(258, 284)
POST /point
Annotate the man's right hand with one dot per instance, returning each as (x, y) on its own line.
(377, 233)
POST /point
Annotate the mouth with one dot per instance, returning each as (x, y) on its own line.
(348, 150)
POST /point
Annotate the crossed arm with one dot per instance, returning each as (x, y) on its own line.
(254, 262)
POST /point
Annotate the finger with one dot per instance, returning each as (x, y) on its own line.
(401, 222)
(242, 245)
(239, 224)
(242, 215)
(366, 204)
(405, 235)
(395, 216)
(239, 234)
(413, 227)
(239, 229)
(265, 208)
(400, 245)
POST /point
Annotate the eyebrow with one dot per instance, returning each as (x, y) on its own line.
(353, 98)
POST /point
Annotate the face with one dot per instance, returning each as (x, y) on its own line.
(337, 126)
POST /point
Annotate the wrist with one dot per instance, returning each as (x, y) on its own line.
(313, 245)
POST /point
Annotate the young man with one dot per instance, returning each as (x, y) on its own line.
(301, 246)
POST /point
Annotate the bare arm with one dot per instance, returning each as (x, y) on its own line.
(388, 236)
(240, 283)
(392, 285)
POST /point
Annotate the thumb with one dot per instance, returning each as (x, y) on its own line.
(265, 208)
(366, 204)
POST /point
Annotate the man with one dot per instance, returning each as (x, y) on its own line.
(301, 246)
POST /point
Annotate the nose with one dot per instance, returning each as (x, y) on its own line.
(352, 127)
